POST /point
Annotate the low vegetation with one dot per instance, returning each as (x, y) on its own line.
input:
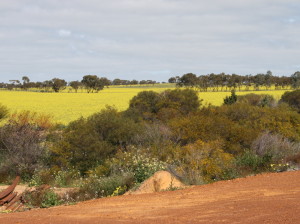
(112, 151)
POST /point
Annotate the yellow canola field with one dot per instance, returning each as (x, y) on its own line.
(66, 107)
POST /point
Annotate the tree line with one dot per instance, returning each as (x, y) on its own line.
(210, 82)
(226, 82)
(91, 83)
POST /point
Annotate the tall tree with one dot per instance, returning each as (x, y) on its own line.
(58, 84)
(92, 83)
(188, 79)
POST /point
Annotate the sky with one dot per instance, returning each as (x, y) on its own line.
(147, 39)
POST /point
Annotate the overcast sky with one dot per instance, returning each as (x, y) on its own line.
(147, 39)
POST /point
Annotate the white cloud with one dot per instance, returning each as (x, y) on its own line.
(64, 33)
(138, 38)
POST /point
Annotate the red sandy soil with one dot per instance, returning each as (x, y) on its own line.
(267, 198)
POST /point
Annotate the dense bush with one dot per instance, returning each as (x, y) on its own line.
(23, 146)
(86, 143)
(204, 161)
(261, 100)
(148, 104)
(275, 146)
(138, 162)
(292, 98)
(97, 187)
(42, 198)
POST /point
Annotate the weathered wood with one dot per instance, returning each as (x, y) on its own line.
(18, 207)
(10, 189)
(8, 198)
(12, 202)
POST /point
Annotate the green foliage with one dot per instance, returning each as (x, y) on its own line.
(23, 146)
(41, 198)
(97, 187)
(189, 80)
(87, 143)
(261, 100)
(292, 98)
(230, 99)
(295, 80)
(205, 160)
(57, 178)
(93, 83)
(50, 199)
(58, 84)
(251, 162)
(170, 103)
(135, 161)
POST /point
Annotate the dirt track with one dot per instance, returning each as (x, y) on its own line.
(267, 198)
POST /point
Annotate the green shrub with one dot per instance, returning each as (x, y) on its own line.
(97, 187)
(50, 199)
(41, 198)
(87, 143)
(151, 105)
(250, 162)
(204, 161)
(292, 98)
(261, 100)
(230, 99)
(137, 162)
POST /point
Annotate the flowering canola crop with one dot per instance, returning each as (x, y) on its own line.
(69, 106)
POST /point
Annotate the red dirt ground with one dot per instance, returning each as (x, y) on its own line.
(267, 198)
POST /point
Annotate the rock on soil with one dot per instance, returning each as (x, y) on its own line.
(160, 181)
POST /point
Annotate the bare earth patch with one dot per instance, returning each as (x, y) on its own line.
(266, 198)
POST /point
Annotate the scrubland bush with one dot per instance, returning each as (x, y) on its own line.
(275, 145)
(23, 146)
(97, 187)
(292, 98)
(136, 161)
(41, 198)
(150, 105)
(86, 143)
(204, 161)
(261, 100)
(57, 178)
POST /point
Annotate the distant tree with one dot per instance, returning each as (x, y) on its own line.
(134, 82)
(117, 82)
(142, 82)
(75, 85)
(189, 80)
(172, 80)
(296, 80)
(58, 84)
(47, 85)
(92, 83)
(14, 84)
(104, 81)
(26, 81)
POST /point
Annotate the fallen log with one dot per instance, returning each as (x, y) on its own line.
(10, 189)
(8, 198)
